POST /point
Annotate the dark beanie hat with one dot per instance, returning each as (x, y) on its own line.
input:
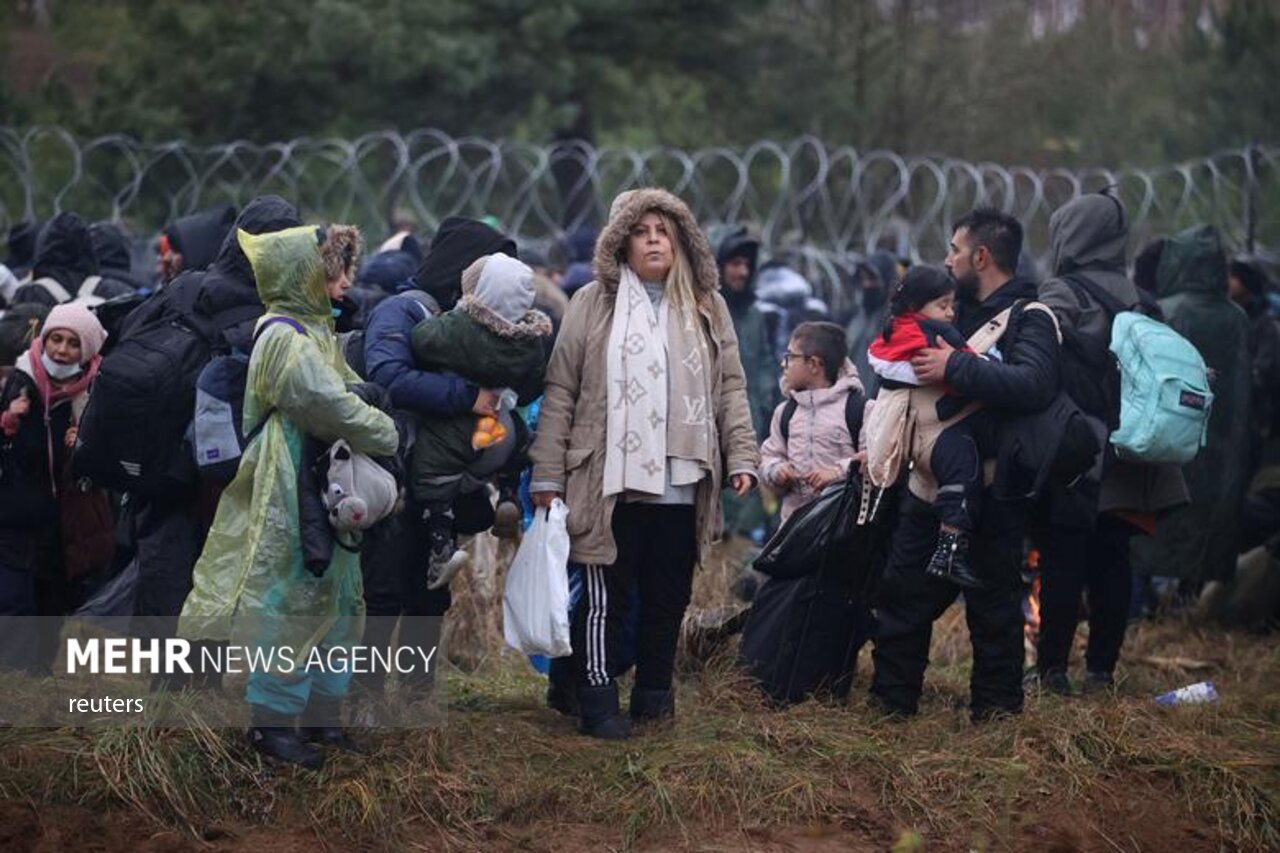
(459, 243)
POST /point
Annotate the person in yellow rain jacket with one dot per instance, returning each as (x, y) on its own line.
(251, 588)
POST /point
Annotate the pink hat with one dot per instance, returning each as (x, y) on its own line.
(75, 317)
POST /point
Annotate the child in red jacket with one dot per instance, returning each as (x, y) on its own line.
(920, 314)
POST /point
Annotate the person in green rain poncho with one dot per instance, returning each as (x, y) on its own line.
(250, 585)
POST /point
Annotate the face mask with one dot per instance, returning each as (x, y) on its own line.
(58, 371)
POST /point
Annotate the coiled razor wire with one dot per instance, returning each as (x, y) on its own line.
(821, 206)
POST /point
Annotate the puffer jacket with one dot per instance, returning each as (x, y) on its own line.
(389, 361)
(568, 454)
(473, 342)
(818, 437)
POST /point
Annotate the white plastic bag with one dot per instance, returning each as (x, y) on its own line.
(535, 605)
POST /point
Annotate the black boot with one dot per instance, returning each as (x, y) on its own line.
(562, 687)
(600, 715)
(950, 561)
(323, 725)
(273, 735)
(649, 705)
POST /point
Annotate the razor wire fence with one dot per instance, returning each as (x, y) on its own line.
(822, 206)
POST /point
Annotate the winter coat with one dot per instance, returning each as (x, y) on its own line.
(1199, 541)
(63, 524)
(473, 342)
(250, 586)
(1087, 239)
(568, 454)
(818, 437)
(759, 364)
(1024, 380)
(389, 361)
(26, 488)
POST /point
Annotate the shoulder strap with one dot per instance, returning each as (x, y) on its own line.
(853, 406)
(266, 416)
(53, 288)
(788, 412)
(271, 321)
(1108, 302)
(87, 286)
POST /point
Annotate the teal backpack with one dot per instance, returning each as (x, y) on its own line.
(1164, 392)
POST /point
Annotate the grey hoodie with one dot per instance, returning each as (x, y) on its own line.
(1087, 238)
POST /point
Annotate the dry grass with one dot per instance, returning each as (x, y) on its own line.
(1105, 773)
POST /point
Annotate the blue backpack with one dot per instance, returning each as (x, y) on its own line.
(1165, 399)
(217, 438)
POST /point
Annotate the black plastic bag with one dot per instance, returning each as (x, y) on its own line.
(797, 548)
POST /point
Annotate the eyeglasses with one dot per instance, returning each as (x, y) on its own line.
(788, 355)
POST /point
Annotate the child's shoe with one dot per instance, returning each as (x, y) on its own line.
(950, 561)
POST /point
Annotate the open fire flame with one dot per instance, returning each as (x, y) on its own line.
(1031, 607)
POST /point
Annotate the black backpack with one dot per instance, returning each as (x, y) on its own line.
(854, 405)
(132, 436)
(1089, 370)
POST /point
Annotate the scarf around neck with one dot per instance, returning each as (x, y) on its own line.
(51, 395)
(658, 370)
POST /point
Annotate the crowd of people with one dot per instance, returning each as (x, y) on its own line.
(664, 381)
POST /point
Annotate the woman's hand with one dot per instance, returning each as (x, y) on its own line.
(19, 406)
(544, 499)
(70, 438)
(742, 483)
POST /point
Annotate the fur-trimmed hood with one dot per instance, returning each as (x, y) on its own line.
(626, 211)
(341, 251)
(534, 323)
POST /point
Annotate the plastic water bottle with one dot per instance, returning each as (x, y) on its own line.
(1192, 694)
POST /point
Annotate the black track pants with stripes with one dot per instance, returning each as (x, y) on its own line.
(657, 549)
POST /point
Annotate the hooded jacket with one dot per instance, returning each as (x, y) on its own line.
(1199, 541)
(475, 342)
(202, 237)
(115, 262)
(250, 586)
(1087, 239)
(63, 253)
(818, 437)
(22, 246)
(456, 245)
(568, 454)
(759, 363)
(226, 292)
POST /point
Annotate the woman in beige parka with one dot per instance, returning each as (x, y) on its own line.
(645, 418)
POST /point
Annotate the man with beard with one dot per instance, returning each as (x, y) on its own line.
(1018, 376)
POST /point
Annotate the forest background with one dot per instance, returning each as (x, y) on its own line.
(1039, 82)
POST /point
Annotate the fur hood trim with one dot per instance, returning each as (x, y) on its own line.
(341, 250)
(534, 324)
(626, 211)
